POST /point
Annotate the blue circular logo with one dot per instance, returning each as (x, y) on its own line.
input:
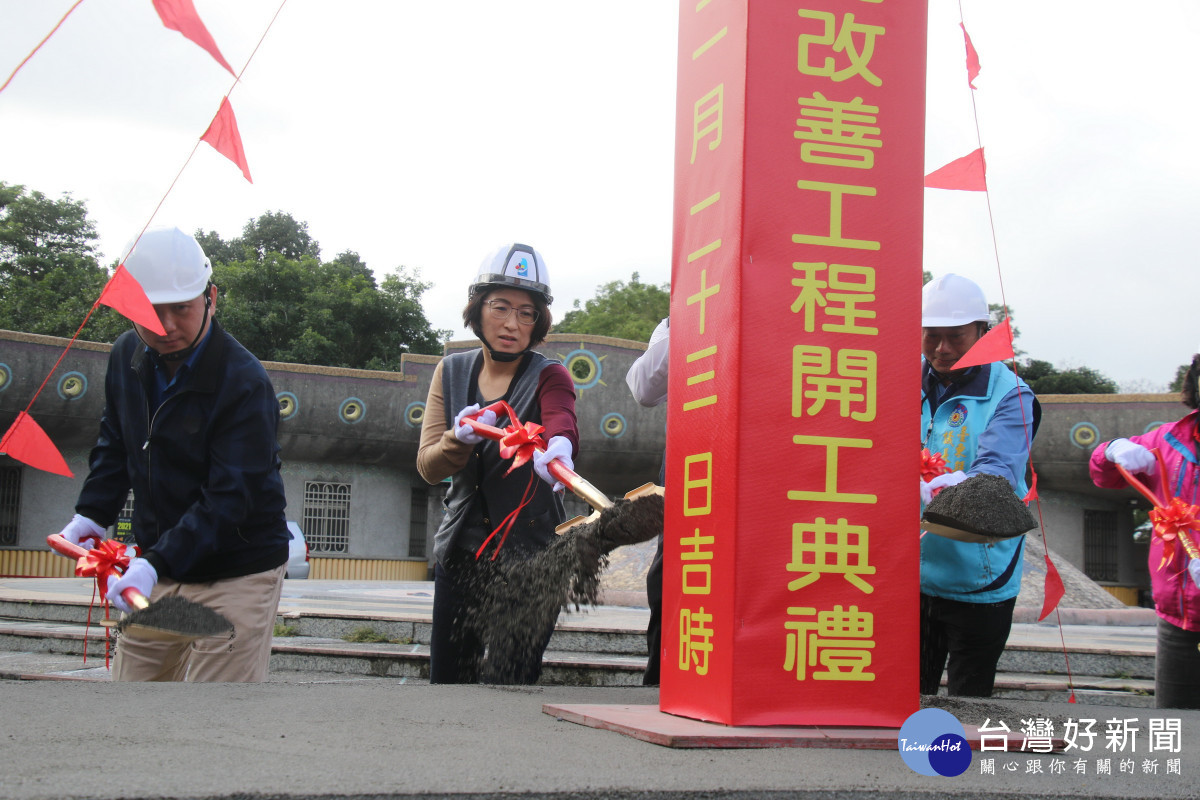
(958, 416)
(933, 742)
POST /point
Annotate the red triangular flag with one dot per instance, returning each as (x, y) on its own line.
(125, 294)
(995, 345)
(223, 135)
(972, 58)
(968, 173)
(180, 15)
(1054, 589)
(1032, 494)
(28, 443)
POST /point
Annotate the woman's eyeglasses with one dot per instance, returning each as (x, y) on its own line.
(499, 311)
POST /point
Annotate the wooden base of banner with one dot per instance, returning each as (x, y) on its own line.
(648, 724)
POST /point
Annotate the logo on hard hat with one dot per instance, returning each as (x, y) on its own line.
(958, 416)
(523, 268)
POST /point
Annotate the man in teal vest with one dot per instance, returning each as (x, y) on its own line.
(982, 420)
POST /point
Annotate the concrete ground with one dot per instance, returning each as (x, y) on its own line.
(301, 740)
(323, 736)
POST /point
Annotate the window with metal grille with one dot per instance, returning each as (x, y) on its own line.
(1100, 545)
(10, 505)
(327, 516)
(417, 518)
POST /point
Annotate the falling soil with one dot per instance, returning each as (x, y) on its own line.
(521, 599)
(982, 504)
(179, 615)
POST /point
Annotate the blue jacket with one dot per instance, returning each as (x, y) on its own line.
(979, 427)
(203, 466)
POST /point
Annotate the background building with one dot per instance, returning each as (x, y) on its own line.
(350, 437)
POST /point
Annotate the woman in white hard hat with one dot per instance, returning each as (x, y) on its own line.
(1173, 580)
(492, 512)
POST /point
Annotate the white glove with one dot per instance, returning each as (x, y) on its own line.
(1132, 456)
(926, 493)
(83, 532)
(464, 432)
(141, 575)
(942, 481)
(1194, 570)
(558, 447)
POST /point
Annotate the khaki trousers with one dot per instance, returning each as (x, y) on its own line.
(249, 602)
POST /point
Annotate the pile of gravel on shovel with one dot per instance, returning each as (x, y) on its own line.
(982, 504)
(176, 614)
(522, 598)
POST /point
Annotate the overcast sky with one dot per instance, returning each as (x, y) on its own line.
(425, 134)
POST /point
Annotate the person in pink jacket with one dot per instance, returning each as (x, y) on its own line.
(1176, 595)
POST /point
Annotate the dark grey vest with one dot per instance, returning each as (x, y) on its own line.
(480, 494)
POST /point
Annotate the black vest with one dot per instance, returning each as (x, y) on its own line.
(480, 494)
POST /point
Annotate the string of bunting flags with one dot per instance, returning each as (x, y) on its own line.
(969, 173)
(25, 440)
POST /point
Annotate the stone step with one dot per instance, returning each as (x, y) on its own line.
(1109, 654)
(28, 648)
(55, 651)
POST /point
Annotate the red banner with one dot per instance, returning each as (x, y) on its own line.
(791, 570)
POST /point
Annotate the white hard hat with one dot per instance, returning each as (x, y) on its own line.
(516, 265)
(952, 300)
(169, 264)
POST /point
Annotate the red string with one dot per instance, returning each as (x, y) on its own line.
(508, 522)
(1024, 421)
(505, 527)
(39, 45)
(162, 200)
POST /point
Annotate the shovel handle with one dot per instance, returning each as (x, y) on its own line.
(64, 548)
(571, 479)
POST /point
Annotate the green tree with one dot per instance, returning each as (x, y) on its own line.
(49, 275)
(288, 305)
(1180, 374)
(1044, 378)
(624, 310)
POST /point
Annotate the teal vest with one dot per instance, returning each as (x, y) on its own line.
(965, 571)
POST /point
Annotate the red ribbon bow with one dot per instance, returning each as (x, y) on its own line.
(104, 562)
(1172, 524)
(932, 465)
(520, 443)
(1173, 518)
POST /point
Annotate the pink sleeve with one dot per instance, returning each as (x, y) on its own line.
(1104, 473)
(556, 397)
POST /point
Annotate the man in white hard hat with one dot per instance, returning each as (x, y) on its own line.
(189, 426)
(982, 420)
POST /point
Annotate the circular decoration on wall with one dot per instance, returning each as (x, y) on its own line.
(72, 386)
(584, 367)
(5, 377)
(352, 410)
(613, 425)
(414, 413)
(1084, 435)
(1153, 426)
(289, 404)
